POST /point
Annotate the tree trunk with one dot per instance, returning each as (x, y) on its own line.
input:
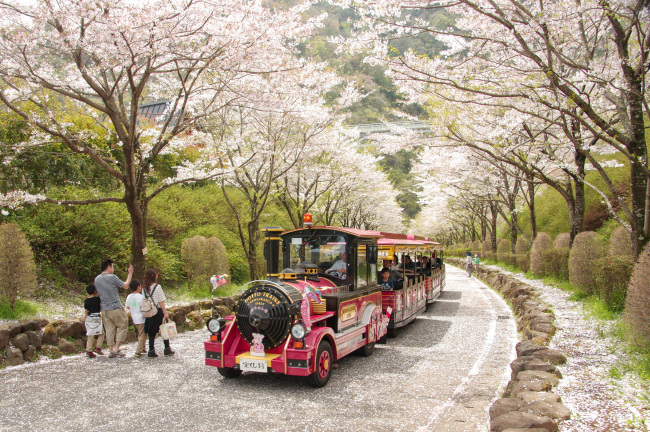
(531, 206)
(513, 231)
(137, 208)
(579, 208)
(493, 233)
(251, 253)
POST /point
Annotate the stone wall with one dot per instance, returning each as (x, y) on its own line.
(528, 402)
(28, 340)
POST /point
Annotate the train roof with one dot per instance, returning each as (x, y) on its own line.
(399, 242)
(383, 238)
(352, 231)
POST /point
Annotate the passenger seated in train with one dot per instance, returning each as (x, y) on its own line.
(385, 282)
(426, 263)
(407, 264)
(339, 268)
(394, 264)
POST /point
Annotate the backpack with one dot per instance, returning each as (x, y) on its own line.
(148, 307)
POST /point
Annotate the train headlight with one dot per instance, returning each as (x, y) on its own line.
(215, 325)
(298, 331)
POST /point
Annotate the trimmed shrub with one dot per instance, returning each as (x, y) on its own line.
(638, 298)
(521, 247)
(486, 246)
(217, 256)
(556, 262)
(203, 257)
(542, 242)
(17, 267)
(503, 251)
(611, 278)
(587, 247)
(620, 244)
(562, 241)
(523, 261)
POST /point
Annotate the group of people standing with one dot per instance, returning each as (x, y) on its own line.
(104, 301)
(470, 263)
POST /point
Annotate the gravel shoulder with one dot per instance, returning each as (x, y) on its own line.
(598, 402)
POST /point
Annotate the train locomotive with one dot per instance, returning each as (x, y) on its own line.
(323, 303)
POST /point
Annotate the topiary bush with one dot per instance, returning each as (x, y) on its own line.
(611, 278)
(503, 251)
(556, 262)
(17, 267)
(620, 243)
(217, 256)
(638, 298)
(541, 243)
(523, 261)
(202, 258)
(562, 241)
(486, 249)
(587, 247)
(486, 246)
(521, 247)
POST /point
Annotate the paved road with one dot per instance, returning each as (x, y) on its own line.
(440, 374)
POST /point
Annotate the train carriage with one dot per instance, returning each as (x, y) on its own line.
(321, 301)
(408, 299)
(305, 316)
(414, 287)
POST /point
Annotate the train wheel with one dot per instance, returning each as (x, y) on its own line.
(367, 349)
(324, 361)
(229, 372)
(392, 332)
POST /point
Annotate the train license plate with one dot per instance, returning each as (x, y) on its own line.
(252, 365)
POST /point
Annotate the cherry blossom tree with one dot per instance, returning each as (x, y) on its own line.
(70, 62)
(585, 63)
(362, 196)
(314, 175)
(280, 125)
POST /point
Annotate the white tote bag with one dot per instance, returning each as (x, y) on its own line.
(94, 325)
(168, 330)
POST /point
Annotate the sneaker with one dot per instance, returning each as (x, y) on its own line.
(169, 352)
(90, 354)
(115, 354)
(99, 351)
(152, 354)
(138, 355)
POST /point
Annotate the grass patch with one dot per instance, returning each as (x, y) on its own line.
(23, 309)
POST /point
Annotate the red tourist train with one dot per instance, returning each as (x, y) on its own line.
(324, 303)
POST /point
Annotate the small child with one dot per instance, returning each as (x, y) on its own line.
(133, 302)
(92, 308)
(386, 283)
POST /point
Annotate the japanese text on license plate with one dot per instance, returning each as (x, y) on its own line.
(252, 365)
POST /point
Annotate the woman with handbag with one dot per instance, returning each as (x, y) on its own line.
(153, 290)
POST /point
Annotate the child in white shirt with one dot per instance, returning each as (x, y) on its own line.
(133, 302)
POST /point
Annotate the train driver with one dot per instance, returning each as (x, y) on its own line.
(340, 266)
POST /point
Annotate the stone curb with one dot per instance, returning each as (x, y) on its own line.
(26, 340)
(528, 402)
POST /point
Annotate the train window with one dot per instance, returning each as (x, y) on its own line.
(362, 267)
(322, 250)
